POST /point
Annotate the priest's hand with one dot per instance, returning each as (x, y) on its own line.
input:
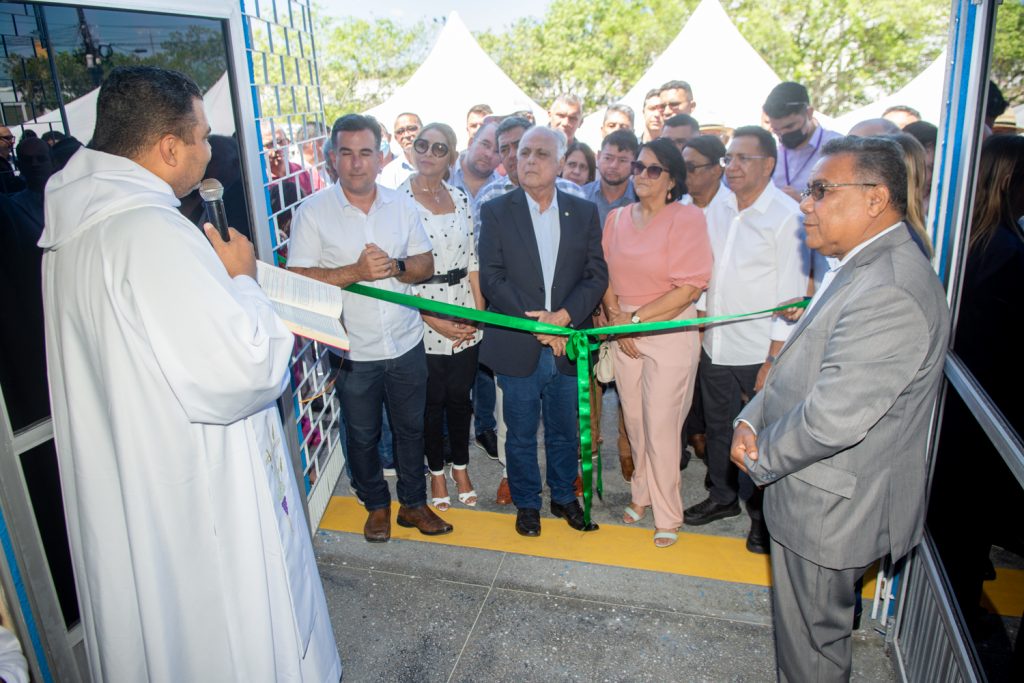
(237, 254)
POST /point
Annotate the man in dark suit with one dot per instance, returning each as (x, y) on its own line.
(839, 434)
(540, 257)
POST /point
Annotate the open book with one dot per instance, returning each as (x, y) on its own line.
(309, 308)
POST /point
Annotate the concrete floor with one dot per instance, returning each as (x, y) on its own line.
(412, 611)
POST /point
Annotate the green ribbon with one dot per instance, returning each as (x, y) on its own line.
(577, 348)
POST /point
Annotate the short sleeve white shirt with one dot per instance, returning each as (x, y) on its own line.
(760, 261)
(329, 232)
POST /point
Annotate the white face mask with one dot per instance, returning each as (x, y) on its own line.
(385, 146)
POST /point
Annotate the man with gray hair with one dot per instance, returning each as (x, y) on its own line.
(540, 257)
(566, 115)
(509, 133)
(617, 117)
(838, 436)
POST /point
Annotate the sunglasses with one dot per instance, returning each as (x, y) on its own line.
(438, 149)
(638, 168)
(408, 129)
(817, 188)
(691, 167)
(9, 138)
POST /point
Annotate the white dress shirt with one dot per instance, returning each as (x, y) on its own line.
(548, 231)
(760, 261)
(328, 232)
(835, 264)
(396, 172)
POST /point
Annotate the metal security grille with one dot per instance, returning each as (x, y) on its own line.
(285, 87)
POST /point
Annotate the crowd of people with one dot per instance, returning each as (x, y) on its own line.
(814, 419)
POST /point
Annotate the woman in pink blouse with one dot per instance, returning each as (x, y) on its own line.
(659, 262)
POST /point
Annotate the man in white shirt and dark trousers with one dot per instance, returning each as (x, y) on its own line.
(358, 231)
(760, 260)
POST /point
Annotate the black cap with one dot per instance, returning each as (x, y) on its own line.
(786, 98)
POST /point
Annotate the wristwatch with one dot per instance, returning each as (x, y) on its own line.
(400, 264)
(635, 319)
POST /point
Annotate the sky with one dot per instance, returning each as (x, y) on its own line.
(477, 14)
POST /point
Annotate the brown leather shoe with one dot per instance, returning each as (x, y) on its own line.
(626, 465)
(504, 496)
(700, 445)
(424, 519)
(378, 526)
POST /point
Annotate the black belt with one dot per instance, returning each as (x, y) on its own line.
(451, 278)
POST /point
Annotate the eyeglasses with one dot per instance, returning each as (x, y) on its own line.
(438, 149)
(9, 138)
(638, 168)
(691, 167)
(408, 129)
(817, 188)
(741, 159)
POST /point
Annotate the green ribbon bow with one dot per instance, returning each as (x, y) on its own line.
(578, 348)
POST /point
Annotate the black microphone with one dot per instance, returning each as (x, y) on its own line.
(212, 193)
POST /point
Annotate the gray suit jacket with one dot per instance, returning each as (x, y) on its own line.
(843, 419)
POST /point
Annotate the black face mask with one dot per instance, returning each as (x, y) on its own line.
(793, 138)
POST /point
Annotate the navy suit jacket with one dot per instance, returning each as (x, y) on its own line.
(513, 283)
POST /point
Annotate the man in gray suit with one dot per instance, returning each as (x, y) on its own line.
(838, 436)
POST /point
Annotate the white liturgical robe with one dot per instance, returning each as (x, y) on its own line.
(192, 556)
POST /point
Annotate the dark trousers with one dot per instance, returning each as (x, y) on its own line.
(400, 384)
(812, 610)
(484, 400)
(550, 392)
(449, 380)
(725, 389)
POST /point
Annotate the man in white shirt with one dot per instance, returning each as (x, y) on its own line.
(407, 129)
(760, 260)
(475, 167)
(358, 231)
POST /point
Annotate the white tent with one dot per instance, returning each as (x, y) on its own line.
(730, 80)
(923, 93)
(81, 113)
(455, 75)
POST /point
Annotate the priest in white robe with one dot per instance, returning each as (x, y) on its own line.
(192, 556)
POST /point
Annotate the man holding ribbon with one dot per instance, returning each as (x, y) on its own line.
(540, 258)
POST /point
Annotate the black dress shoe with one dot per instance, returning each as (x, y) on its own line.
(758, 540)
(488, 440)
(708, 511)
(573, 514)
(528, 522)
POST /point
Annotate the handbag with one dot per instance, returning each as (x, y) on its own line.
(604, 368)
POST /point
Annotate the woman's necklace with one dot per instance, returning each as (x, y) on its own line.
(436, 194)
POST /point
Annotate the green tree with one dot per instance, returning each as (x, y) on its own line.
(847, 52)
(1008, 52)
(362, 62)
(595, 48)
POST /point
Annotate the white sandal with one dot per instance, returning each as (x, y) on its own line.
(441, 504)
(464, 498)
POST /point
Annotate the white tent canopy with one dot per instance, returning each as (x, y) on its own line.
(81, 113)
(729, 78)
(923, 93)
(455, 75)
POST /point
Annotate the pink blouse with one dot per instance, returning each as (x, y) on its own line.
(671, 251)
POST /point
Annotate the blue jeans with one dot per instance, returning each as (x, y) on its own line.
(525, 398)
(484, 397)
(386, 448)
(400, 385)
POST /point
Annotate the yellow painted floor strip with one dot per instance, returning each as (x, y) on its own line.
(721, 558)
